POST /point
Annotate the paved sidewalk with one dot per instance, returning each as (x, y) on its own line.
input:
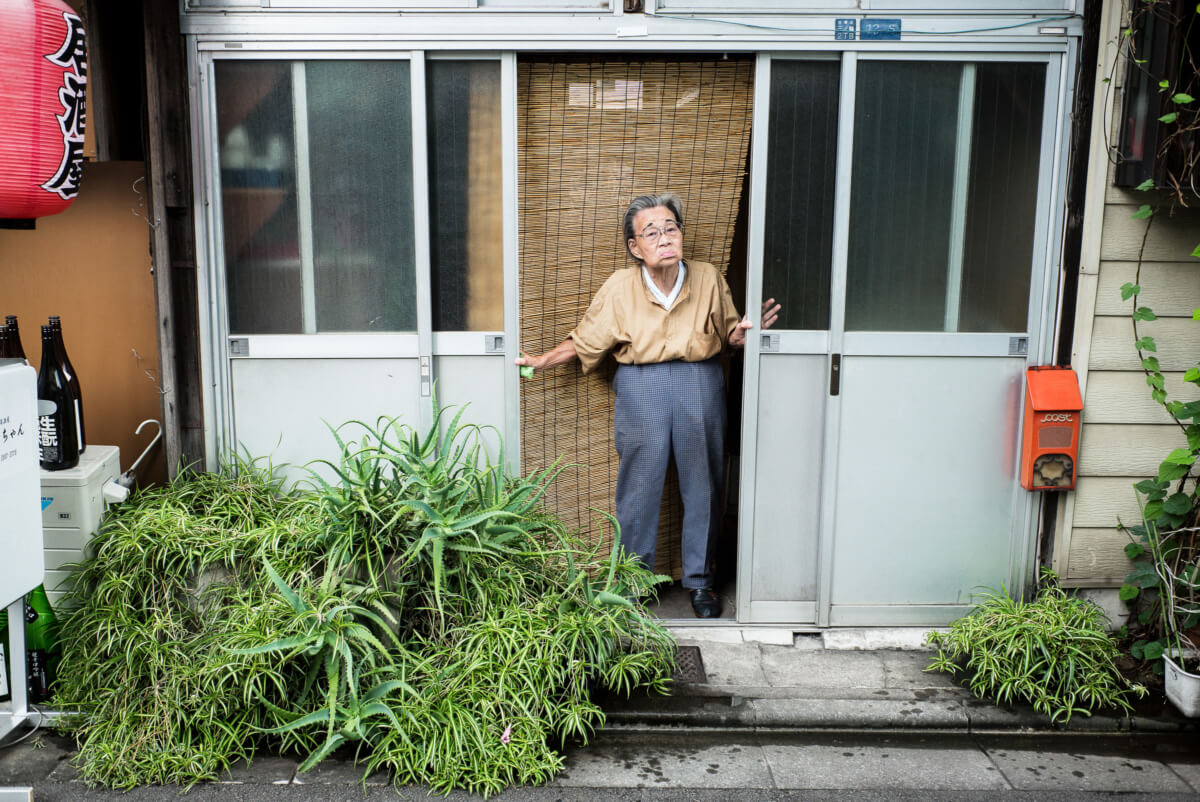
(908, 761)
(845, 679)
(778, 714)
(686, 765)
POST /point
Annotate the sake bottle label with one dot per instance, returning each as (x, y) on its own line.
(48, 446)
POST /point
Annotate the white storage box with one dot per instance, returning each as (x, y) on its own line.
(72, 504)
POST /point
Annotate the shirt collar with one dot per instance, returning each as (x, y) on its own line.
(668, 299)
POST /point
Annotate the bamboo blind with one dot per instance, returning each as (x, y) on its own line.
(592, 136)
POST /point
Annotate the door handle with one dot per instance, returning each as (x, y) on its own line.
(835, 374)
(426, 377)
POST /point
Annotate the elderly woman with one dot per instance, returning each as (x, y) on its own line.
(665, 324)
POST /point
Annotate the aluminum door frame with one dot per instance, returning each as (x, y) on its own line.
(789, 342)
(1044, 296)
(213, 319)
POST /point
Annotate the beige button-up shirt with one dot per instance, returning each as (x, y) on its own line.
(625, 318)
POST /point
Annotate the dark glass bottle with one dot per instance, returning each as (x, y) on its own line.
(41, 645)
(5, 672)
(15, 351)
(4, 341)
(58, 448)
(72, 380)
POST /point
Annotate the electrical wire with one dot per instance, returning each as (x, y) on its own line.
(780, 28)
(40, 720)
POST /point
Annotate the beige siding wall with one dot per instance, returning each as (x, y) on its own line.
(1125, 433)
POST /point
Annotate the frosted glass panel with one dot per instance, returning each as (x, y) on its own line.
(1002, 202)
(904, 133)
(258, 196)
(801, 162)
(466, 225)
(943, 199)
(360, 157)
(334, 253)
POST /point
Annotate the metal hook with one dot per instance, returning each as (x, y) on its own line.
(157, 437)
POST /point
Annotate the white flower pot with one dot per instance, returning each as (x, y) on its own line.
(1183, 689)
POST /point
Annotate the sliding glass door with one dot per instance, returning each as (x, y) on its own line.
(361, 256)
(903, 219)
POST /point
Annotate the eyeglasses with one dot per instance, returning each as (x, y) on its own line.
(651, 235)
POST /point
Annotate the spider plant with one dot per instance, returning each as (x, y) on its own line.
(419, 606)
(1052, 652)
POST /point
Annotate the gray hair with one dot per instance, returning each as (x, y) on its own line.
(643, 202)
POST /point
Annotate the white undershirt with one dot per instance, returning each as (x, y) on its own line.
(669, 299)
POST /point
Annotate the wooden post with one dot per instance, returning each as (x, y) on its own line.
(172, 236)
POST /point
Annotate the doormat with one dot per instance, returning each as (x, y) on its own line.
(689, 667)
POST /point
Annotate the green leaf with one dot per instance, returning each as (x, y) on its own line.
(298, 604)
(1153, 650)
(1144, 313)
(1192, 375)
(1196, 253)
(1169, 117)
(1189, 410)
(1151, 363)
(1164, 84)
(1144, 211)
(1129, 289)
(604, 597)
(315, 717)
(1128, 592)
(1147, 344)
(1152, 510)
(1169, 472)
(1193, 436)
(1178, 504)
(1144, 576)
(1145, 185)
(281, 645)
(1181, 456)
(1137, 649)
(1160, 396)
(1182, 97)
(1156, 381)
(319, 755)
(1148, 486)
(1134, 550)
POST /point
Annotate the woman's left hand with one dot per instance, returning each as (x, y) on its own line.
(770, 314)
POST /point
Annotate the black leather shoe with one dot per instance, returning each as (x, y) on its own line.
(706, 603)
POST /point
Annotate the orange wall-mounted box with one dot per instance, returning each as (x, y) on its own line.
(1050, 444)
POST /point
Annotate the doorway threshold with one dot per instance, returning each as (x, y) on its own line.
(674, 606)
(803, 636)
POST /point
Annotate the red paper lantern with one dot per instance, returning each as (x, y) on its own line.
(43, 75)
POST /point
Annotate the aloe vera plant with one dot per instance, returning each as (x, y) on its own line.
(419, 607)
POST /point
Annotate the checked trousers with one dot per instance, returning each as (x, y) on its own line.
(664, 409)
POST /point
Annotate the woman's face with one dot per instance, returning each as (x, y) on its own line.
(658, 240)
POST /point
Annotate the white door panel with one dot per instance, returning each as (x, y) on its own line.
(787, 495)
(284, 405)
(470, 384)
(926, 478)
